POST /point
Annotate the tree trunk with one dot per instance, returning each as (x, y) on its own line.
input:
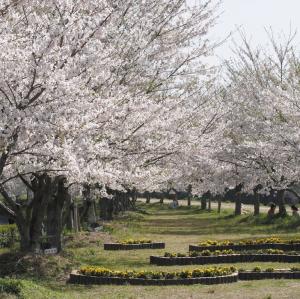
(76, 218)
(203, 203)
(189, 200)
(209, 204)
(256, 203)
(281, 204)
(238, 204)
(24, 231)
(219, 204)
(148, 198)
(55, 215)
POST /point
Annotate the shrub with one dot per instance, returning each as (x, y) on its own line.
(181, 255)
(257, 269)
(205, 253)
(8, 235)
(270, 251)
(134, 241)
(269, 269)
(10, 286)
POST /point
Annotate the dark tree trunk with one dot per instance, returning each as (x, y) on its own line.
(219, 199)
(29, 215)
(148, 198)
(54, 222)
(189, 191)
(24, 231)
(281, 204)
(203, 203)
(238, 204)
(76, 218)
(107, 208)
(68, 214)
(256, 203)
(209, 204)
(88, 214)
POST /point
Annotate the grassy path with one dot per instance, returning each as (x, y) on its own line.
(178, 228)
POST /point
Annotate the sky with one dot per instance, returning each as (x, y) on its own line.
(253, 16)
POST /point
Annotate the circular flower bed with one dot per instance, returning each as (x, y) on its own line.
(99, 275)
(225, 256)
(134, 244)
(269, 273)
(248, 244)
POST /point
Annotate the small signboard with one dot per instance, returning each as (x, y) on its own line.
(51, 251)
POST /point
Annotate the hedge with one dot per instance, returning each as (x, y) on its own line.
(8, 235)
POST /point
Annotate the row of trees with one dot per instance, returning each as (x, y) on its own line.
(96, 93)
(117, 96)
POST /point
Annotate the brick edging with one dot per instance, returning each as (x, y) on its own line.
(281, 246)
(251, 275)
(234, 258)
(118, 246)
(76, 278)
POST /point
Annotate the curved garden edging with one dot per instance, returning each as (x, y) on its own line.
(281, 246)
(234, 258)
(282, 274)
(119, 246)
(77, 278)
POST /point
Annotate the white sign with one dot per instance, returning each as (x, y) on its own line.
(50, 251)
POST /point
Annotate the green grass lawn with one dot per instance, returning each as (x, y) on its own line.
(178, 228)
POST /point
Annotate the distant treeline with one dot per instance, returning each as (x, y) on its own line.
(230, 195)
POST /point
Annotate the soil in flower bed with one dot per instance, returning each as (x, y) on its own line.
(121, 246)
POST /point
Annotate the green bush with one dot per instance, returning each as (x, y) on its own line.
(10, 286)
(257, 269)
(8, 235)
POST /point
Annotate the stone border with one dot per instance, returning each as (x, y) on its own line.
(226, 259)
(76, 278)
(281, 246)
(277, 274)
(119, 246)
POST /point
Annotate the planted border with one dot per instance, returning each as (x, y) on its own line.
(240, 247)
(120, 246)
(277, 274)
(77, 278)
(218, 259)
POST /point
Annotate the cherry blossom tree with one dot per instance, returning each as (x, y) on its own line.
(262, 123)
(95, 92)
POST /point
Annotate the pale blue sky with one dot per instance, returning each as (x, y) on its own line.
(253, 16)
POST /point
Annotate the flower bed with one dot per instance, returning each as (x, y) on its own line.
(8, 235)
(249, 244)
(269, 273)
(224, 252)
(98, 275)
(134, 244)
(229, 258)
